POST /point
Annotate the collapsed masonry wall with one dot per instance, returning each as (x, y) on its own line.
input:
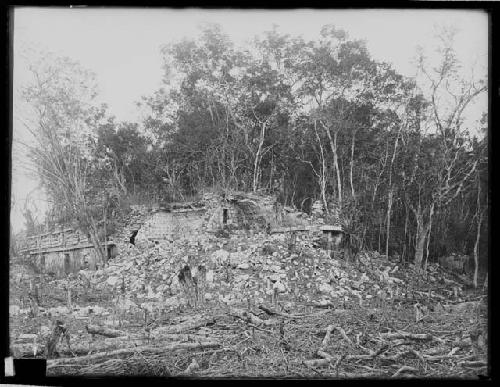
(161, 226)
(133, 221)
(213, 212)
(210, 214)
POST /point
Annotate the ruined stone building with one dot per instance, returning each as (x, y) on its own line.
(67, 251)
(64, 251)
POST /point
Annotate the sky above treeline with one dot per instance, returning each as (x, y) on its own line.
(122, 46)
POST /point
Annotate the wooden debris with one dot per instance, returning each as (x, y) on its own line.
(404, 369)
(406, 335)
(128, 351)
(326, 339)
(326, 361)
(182, 327)
(272, 312)
(192, 367)
(103, 331)
(473, 364)
(250, 317)
(344, 335)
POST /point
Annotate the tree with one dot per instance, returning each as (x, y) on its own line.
(62, 123)
(441, 166)
(345, 88)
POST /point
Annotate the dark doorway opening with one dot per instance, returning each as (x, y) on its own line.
(224, 216)
(132, 237)
(110, 252)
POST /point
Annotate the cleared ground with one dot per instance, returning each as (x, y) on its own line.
(266, 310)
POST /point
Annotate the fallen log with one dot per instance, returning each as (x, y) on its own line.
(327, 359)
(327, 305)
(250, 317)
(119, 342)
(96, 368)
(141, 339)
(182, 337)
(182, 327)
(27, 350)
(103, 331)
(406, 335)
(272, 312)
(473, 364)
(128, 351)
(108, 344)
(404, 369)
(437, 357)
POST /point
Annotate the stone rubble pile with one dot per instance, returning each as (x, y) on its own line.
(244, 267)
(251, 268)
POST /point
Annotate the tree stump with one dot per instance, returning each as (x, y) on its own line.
(186, 280)
(33, 305)
(59, 333)
(199, 280)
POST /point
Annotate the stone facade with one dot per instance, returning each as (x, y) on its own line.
(64, 251)
(212, 213)
(221, 216)
(67, 251)
(164, 225)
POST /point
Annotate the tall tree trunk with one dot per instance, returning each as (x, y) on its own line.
(377, 182)
(257, 159)
(379, 232)
(478, 234)
(421, 234)
(403, 254)
(388, 222)
(271, 170)
(390, 197)
(322, 177)
(333, 147)
(476, 250)
(427, 245)
(419, 246)
(352, 166)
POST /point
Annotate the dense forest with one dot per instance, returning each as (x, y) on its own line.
(391, 159)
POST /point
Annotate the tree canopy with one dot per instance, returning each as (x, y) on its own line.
(305, 120)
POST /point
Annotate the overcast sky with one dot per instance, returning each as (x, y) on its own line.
(122, 45)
